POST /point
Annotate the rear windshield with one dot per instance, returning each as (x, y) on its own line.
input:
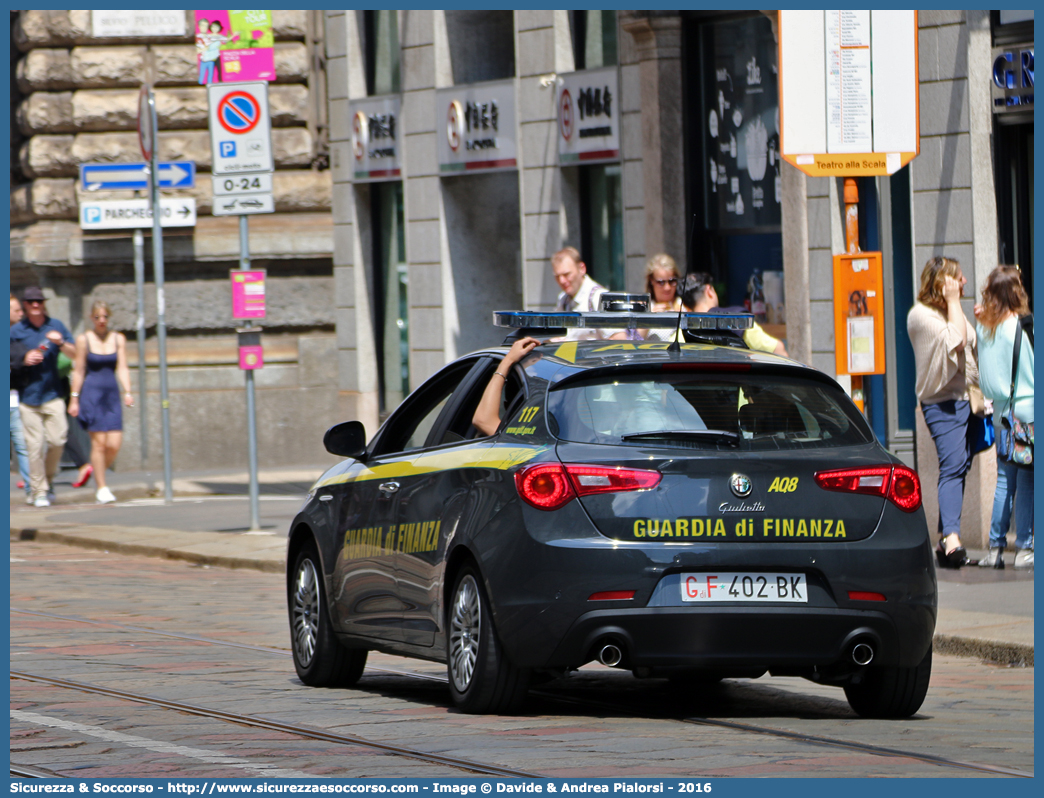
(748, 411)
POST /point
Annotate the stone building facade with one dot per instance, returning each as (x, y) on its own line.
(406, 263)
(475, 241)
(74, 100)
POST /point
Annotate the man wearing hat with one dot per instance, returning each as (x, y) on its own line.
(40, 403)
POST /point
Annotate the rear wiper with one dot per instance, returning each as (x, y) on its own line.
(712, 435)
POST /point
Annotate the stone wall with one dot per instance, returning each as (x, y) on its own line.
(77, 102)
(74, 100)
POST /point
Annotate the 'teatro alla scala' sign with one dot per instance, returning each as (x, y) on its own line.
(848, 91)
(476, 127)
(375, 139)
(588, 117)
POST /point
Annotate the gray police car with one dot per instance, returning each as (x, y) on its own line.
(688, 510)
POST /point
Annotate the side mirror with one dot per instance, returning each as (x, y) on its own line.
(347, 439)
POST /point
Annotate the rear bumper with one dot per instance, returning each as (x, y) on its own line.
(540, 590)
(770, 638)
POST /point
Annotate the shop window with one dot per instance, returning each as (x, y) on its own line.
(734, 169)
(601, 224)
(1013, 165)
(482, 45)
(594, 38)
(390, 316)
(380, 34)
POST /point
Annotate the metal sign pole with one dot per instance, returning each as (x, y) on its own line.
(161, 324)
(139, 282)
(255, 514)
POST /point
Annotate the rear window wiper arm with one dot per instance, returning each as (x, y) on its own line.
(712, 435)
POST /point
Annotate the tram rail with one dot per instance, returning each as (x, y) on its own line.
(848, 745)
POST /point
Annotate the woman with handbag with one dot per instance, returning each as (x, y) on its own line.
(1005, 333)
(944, 355)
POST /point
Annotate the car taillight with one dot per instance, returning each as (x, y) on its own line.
(905, 490)
(588, 480)
(898, 484)
(545, 486)
(548, 486)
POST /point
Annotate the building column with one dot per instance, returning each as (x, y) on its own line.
(954, 209)
(796, 283)
(543, 51)
(356, 364)
(425, 67)
(657, 37)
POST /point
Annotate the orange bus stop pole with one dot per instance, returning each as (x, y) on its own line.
(852, 246)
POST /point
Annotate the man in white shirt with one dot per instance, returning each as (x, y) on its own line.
(579, 292)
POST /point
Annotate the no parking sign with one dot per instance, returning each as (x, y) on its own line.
(240, 128)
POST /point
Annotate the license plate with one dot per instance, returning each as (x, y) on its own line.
(744, 587)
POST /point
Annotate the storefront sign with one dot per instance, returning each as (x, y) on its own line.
(588, 117)
(1012, 84)
(848, 91)
(375, 139)
(112, 24)
(234, 46)
(477, 127)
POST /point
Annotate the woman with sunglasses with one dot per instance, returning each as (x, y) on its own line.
(99, 372)
(661, 283)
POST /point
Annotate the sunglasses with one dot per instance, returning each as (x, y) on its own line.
(34, 301)
(670, 281)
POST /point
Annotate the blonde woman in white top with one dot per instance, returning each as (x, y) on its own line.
(944, 352)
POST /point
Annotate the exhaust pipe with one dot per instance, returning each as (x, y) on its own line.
(862, 653)
(610, 655)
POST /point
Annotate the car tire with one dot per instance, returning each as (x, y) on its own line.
(482, 679)
(319, 658)
(891, 692)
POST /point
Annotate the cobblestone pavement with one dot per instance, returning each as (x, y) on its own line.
(635, 728)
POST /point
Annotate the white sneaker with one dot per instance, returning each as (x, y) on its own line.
(41, 501)
(104, 496)
(1024, 558)
(28, 498)
(995, 559)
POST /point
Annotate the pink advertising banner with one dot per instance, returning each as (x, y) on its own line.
(234, 46)
(248, 294)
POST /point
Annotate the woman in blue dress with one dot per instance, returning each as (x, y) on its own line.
(99, 372)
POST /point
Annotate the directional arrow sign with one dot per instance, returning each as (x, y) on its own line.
(111, 176)
(135, 213)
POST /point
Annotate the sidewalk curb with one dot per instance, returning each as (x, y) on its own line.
(147, 550)
(123, 493)
(1012, 654)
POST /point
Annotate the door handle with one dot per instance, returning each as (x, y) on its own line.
(388, 487)
(326, 497)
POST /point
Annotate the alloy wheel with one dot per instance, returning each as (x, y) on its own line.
(465, 629)
(306, 612)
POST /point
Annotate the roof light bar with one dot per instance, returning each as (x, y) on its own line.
(621, 320)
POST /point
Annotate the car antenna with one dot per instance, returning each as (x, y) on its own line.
(674, 350)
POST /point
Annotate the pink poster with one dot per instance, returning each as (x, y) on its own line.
(234, 46)
(248, 294)
(251, 357)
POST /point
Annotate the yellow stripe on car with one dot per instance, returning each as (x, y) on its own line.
(482, 455)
